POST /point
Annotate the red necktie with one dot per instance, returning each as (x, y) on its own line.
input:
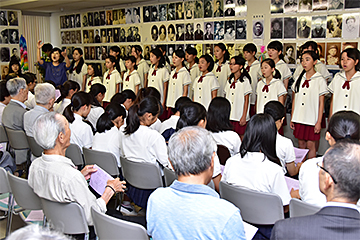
(127, 78)
(233, 85)
(175, 75)
(201, 79)
(89, 83)
(154, 73)
(218, 69)
(108, 76)
(247, 68)
(74, 68)
(265, 88)
(346, 85)
(306, 83)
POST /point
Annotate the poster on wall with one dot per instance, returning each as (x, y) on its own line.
(334, 26)
(3, 18)
(13, 18)
(240, 8)
(5, 54)
(218, 8)
(333, 53)
(13, 36)
(208, 9)
(321, 51)
(162, 33)
(304, 27)
(336, 4)
(351, 4)
(199, 33)
(290, 53)
(276, 31)
(209, 49)
(219, 30)
(239, 48)
(350, 27)
(209, 30)
(240, 29)
(199, 49)
(229, 31)
(318, 27)
(189, 9)
(189, 32)
(4, 70)
(229, 8)
(154, 33)
(231, 49)
(258, 28)
(4, 36)
(290, 27)
(154, 13)
(290, 6)
(171, 32)
(163, 12)
(171, 12)
(199, 9)
(180, 36)
(179, 14)
(146, 13)
(305, 6)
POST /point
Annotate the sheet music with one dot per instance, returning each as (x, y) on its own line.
(300, 154)
(99, 179)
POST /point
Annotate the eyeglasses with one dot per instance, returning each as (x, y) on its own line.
(318, 164)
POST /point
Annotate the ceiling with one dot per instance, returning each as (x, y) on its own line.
(52, 6)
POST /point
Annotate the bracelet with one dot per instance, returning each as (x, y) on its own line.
(111, 188)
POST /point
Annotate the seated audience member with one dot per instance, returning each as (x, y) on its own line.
(30, 79)
(81, 132)
(343, 125)
(194, 114)
(4, 98)
(67, 90)
(284, 146)
(126, 99)
(97, 92)
(189, 209)
(218, 123)
(45, 98)
(339, 180)
(54, 176)
(107, 137)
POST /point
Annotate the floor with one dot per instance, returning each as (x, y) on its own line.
(17, 223)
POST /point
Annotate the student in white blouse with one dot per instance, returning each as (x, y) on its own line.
(107, 137)
(67, 90)
(78, 68)
(81, 132)
(222, 67)
(111, 79)
(97, 93)
(142, 65)
(119, 65)
(218, 123)
(192, 65)
(126, 99)
(131, 77)
(93, 76)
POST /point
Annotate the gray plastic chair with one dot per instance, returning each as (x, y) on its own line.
(5, 188)
(300, 208)
(141, 174)
(17, 139)
(106, 160)
(74, 153)
(107, 227)
(3, 135)
(34, 147)
(169, 176)
(68, 218)
(255, 207)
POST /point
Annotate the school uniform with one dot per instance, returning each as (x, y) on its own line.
(78, 77)
(131, 80)
(222, 74)
(110, 81)
(156, 125)
(254, 71)
(157, 78)
(284, 151)
(194, 73)
(81, 133)
(266, 93)
(169, 123)
(122, 66)
(94, 115)
(203, 87)
(306, 108)
(229, 139)
(283, 69)
(142, 69)
(345, 93)
(320, 67)
(59, 107)
(176, 85)
(90, 82)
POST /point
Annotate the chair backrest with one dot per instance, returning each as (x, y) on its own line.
(300, 208)
(3, 135)
(4, 182)
(105, 160)
(17, 139)
(74, 153)
(24, 195)
(170, 176)
(255, 207)
(68, 218)
(108, 227)
(223, 154)
(141, 174)
(34, 147)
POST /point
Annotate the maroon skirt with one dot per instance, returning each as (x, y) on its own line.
(252, 110)
(166, 114)
(305, 132)
(237, 128)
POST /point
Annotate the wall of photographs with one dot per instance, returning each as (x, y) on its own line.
(9, 39)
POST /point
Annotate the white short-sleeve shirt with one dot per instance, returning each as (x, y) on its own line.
(78, 77)
(236, 97)
(176, 86)
(169, 123)
(255, 74)
(157, 78)
(142, 68)
(122, 66)
(276, 89)
(131, 80)
(306, 108)
(319, 67)
(110, 83)
(283, 69)
(202, 90)
(229, 139)
(255, 171)
(94, 115)
(222, 74)
(90, 82)
(194, 73)
(343, 98)
(81, 133)
(284, 150)
(156, 125)
(60, 106)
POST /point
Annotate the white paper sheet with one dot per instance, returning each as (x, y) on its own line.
(99, 179)
(250, 231)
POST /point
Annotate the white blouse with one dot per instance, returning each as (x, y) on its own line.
(131, 80)
(276, 89)
(203, 89)
(81, 133)
(176, 86)
(222, 74)
(157, 78)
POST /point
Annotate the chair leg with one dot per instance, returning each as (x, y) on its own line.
(10, 214)
(44, 221)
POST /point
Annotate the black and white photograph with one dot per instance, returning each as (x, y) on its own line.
(189, 9)
(109, 18)
(180, 35)
(170, 52)
(136, 32)
(171, 32)
(15, 54)
(122, 37)
(277, 6)
(77, 21)
(62, 22)
(67, 37)
(276, 31)
(87, 53)
(231, 49)
(154, 13)
(121, 15)
(67, 21)
(103, 36)
(179, 14)
(129, 34)
(102, 18)
(290, 6)
(290, 27)
(199, 49)
(78, 36)
(4, 36)
(350, 26)
(229, 8)
(180, 47)
(72, 37)
(72, 21)
(351, 4)
(136, 15)
(199, 9)
(5, 54)
(219, 30)
(110, 35)
(163, 12)
(84, 20)
(229, 31)
(3, 18)
(240, 29)
(171, 12)
(320, 5)
(258, 29)
(90, 17)
(304, 27)
(318, 27)
(129, 15)
(321, 51)
(209, 49)
(115, 17)
(305, 6)
(208, 9)
(85, 36)
(333, 53)
(208, 31)
(14, 36)
(98, 53)
(240, 7)
(290, 53)
(147, 49)
(334, 26)
(336, 4)
(92, 53)
(218, 8)
(162, 33)
(69, 51)
(63, 38)
(199, 33)
(116, 34)
(91, 35)
(122, 51)
(154, 33)
(96, 19)
(189, 31)
(97, 38)
(146, 13)
(13, 18)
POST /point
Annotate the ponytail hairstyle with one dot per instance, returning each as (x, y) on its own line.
(314, 47)
(277, 45)
(132, 59)
(120, 98)
(218, 115)
(112, 59)
(157, 52)
(77, 101)
(192, 51)
(271, 63)
(354, 54)
(112, 112)
(190, 115)
(138, 50)
(65, 89)
(95, 89)
(314, 56)
(344, 125)
(56, 49)
(223, 48)
(80, 64)
(147, 105)
(210, 60)
(181, 54)
(162, 48)
(97, 72)
(117, 50)
(239, 60)
(260, 136)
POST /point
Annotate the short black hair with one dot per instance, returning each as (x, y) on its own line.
(3, 91)
(210, 60)
(275, 109)
(180, 103)
(218, 116)
(47, 47)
